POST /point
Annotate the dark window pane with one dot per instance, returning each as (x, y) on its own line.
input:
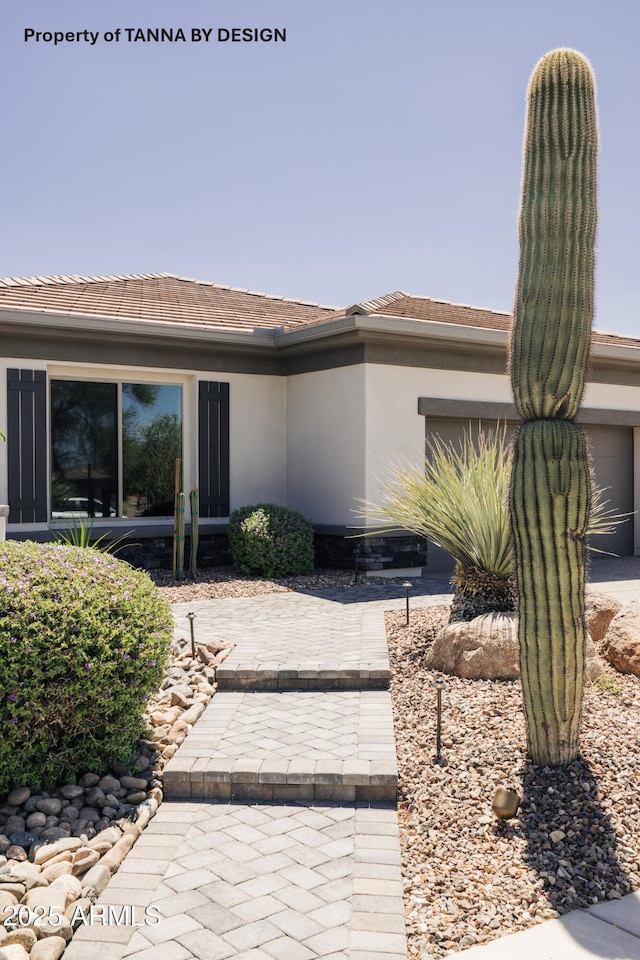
(84, 451)
(151, 442)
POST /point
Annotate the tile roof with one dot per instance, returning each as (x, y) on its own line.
(168, 298)
(158, 297)
(400, 304)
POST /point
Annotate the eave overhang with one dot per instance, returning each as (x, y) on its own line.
(350, 334)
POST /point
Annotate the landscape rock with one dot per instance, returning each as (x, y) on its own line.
(51, 806)
(15, 852)
(18, 796)
(13, 951)
(133, 783)
(50, 948)
(6, 900)
(485, 648)
(22, 935)
(70, 889)
(14, 824)
(62, 929)
(621, 645)
(83, 860)
(192, 714)
(89, 780)
(17, 889)
(56, 870)
(43, 897)
(76, 910)
(593, 664)
(96, 878)
(36, 819)
(600, 609)
(71, 791)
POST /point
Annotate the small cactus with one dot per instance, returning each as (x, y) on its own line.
(550, 491)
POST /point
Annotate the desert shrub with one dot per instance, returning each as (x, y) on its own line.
(84, 640)
(459, 498)
(270, 540)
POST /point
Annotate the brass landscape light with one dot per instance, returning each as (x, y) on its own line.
(505, 803)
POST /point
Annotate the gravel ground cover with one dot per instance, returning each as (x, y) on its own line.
(576, 840)
(221, 582)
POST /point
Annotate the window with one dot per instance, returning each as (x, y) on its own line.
(113, 448)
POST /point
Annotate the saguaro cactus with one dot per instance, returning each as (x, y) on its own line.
(550, 485)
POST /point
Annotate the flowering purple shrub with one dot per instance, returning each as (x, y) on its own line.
(84, 640)
(270, 540)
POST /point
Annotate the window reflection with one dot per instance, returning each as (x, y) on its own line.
(151, 442)
(85, 436)
(84, 474)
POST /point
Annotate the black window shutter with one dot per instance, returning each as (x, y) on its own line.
(27, 445)
(213, 448)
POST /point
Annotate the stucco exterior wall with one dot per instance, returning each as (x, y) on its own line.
(610, 396)
(257, 445)
(394, 429)
(326, 443)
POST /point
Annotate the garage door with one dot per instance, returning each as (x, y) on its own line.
(611, 451)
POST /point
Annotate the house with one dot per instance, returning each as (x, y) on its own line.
(108, 379)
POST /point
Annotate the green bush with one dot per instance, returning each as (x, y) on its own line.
(84, 640)
(270, 540)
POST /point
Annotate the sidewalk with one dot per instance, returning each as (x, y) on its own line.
(296, 854)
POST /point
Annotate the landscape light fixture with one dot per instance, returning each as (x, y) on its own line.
(191, 617)
(438, 686)
(505, 803)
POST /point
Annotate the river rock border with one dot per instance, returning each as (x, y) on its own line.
(59, 850)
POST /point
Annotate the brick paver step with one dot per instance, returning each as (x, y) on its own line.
(258, 746)
(237, 674)
(293, 642)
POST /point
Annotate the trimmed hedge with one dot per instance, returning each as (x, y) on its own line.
(84, 640)
(271, 541)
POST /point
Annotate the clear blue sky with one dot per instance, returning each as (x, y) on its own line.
(379, 148)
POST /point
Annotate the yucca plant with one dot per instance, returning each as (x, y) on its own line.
(458, 498)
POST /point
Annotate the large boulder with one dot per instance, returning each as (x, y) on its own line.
(621, 646)
(487, 648)
(600, 609)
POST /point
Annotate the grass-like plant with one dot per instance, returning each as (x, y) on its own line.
(80, 534)
(458, 498)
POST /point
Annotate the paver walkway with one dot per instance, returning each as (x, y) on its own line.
(296, 854)
(234, 880)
